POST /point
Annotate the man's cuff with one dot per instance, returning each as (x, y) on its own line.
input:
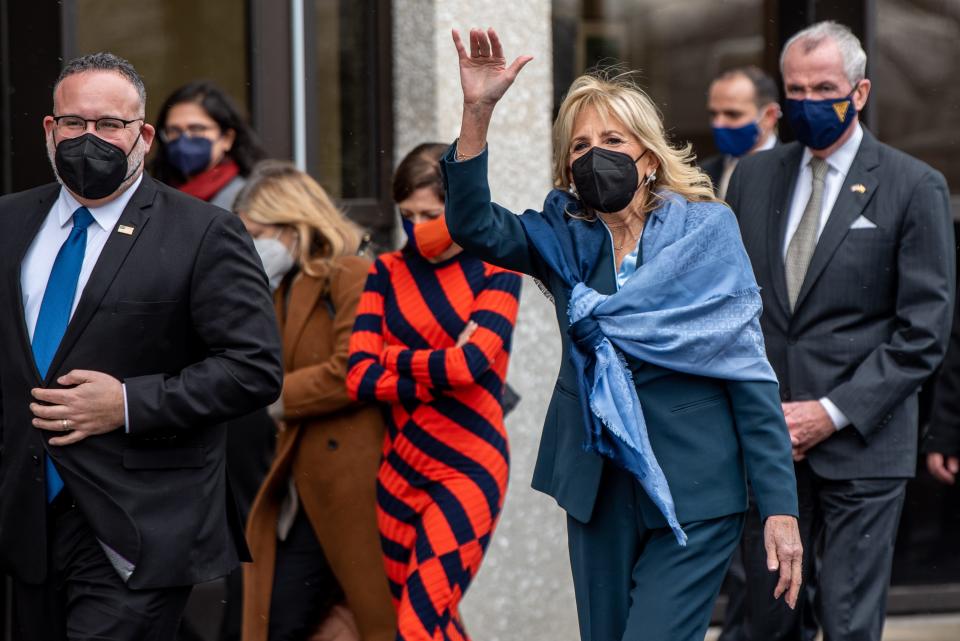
(839, 419)
(126, 409)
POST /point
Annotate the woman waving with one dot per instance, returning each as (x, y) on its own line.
(665, 404)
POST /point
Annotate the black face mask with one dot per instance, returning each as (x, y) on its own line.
(91, 167)
(606, 180)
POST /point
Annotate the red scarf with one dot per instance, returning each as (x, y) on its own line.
(207, 184)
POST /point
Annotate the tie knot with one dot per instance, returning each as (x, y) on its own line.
(819, 167)
(82, 218)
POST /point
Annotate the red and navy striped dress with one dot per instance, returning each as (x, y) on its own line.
(445, 462)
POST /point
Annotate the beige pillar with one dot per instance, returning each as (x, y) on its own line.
(524, 590)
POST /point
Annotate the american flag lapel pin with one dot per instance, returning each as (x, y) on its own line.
(858, 188)
(126, 230)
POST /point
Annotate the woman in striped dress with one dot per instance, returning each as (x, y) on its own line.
(432, 340)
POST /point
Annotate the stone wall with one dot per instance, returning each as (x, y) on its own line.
(523, 590)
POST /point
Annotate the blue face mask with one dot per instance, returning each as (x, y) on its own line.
(736, 141)
(190, 155)
(820, 123)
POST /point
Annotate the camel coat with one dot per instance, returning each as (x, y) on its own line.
(331, 445)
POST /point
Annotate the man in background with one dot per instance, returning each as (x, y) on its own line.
(744, 110)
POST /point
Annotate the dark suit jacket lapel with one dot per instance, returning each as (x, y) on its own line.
(847, 208)
(782, 195)
(29, 231)
(602, 277)
(108, 264)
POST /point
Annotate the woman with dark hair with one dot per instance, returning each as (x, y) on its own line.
(431, 341)
(206, 149)
(205, 146)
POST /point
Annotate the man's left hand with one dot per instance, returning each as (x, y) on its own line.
(809, 424)
(91, 403)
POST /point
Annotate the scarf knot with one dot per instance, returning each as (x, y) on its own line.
(693, 307)
(584, 329)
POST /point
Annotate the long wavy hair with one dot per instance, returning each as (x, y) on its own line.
(277, 193)
(616, 95)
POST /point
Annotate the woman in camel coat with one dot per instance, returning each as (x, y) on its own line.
(312, 528)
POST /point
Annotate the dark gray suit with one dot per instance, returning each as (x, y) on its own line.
(870, 325)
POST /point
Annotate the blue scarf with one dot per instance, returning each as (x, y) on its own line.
(693, 306)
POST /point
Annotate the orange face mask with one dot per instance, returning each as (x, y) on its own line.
(429, 239)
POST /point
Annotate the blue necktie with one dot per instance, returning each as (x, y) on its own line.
(55, 312)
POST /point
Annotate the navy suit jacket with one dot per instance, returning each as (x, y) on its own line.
(709, 435)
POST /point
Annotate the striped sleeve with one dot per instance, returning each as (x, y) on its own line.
(495, 313)
(367, 379)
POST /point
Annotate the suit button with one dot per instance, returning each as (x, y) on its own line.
(36, 459)
(785, 393)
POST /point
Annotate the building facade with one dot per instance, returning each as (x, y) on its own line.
(346, 87)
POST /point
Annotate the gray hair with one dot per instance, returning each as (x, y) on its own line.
(104, 61)
(851, 51)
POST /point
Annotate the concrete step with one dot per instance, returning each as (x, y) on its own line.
(934, 627)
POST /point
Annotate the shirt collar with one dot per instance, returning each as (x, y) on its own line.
(106, 216)
(841, 159)
(769, 143)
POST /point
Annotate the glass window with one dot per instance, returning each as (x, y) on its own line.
(170, 42)
(914, 70)
(678, 47)
(344, 134)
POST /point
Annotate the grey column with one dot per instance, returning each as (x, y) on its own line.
(524, 589)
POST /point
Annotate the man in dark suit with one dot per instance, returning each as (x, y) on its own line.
(136, 320)
(852, 244)
(744, 110)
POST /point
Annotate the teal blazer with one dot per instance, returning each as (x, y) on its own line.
(709, 435)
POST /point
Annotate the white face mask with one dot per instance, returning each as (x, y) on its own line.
(276, 259)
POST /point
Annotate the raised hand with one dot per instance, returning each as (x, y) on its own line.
(484, 74)
(484, 77)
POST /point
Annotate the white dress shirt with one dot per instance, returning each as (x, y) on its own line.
(838, 166)
(38, 261)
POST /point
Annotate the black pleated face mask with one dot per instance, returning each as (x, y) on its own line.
(606, 180)
(90, 166)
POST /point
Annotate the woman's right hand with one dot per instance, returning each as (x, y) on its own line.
(484, 74)
(484, 78)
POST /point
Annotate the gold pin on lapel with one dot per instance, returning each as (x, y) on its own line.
(858, 188)
(125, 229)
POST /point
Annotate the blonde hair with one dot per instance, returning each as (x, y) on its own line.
(277, 193)
(616, 95)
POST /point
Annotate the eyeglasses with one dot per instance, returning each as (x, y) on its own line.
(169, 134)
(107, 127)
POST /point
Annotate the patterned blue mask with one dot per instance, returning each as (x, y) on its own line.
(820, 123)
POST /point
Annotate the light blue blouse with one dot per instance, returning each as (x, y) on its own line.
(630, 261)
